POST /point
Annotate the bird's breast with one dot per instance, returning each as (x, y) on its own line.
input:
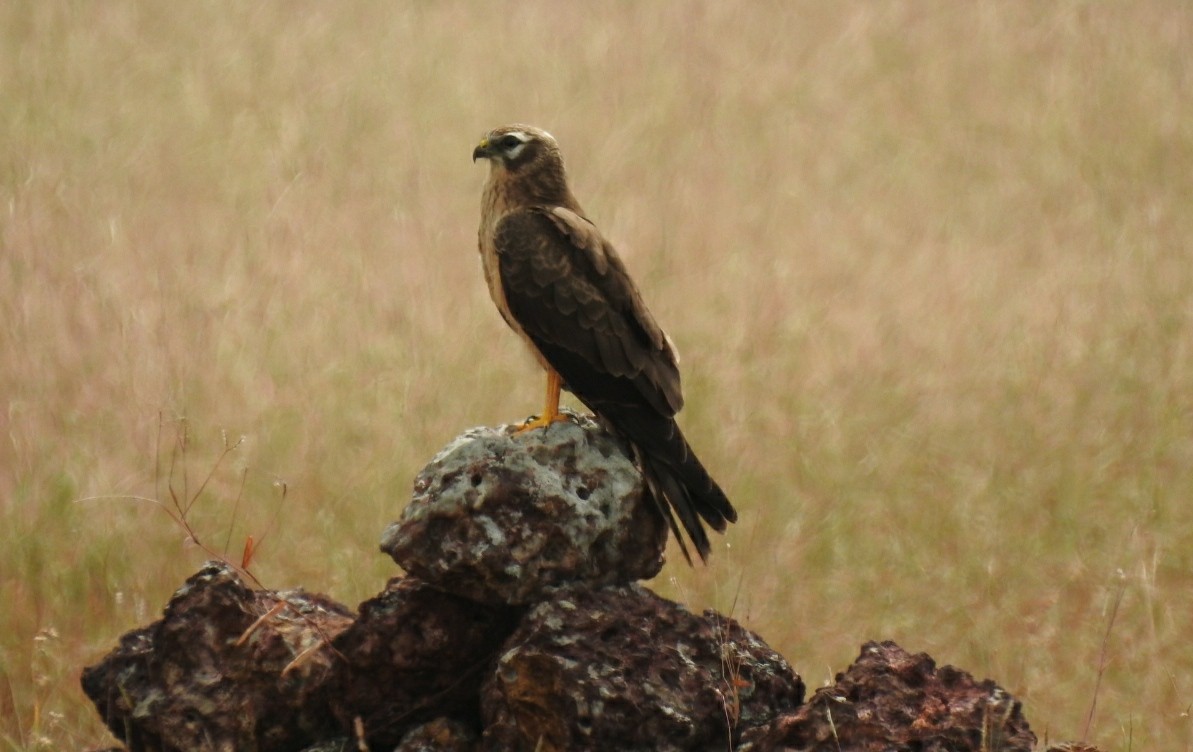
(489, 264)
(493, 210)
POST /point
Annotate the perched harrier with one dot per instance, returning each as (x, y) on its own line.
(562, 287)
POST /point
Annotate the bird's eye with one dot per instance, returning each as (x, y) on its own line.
(510, 142)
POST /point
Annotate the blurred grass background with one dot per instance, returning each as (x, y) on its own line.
(928, 265)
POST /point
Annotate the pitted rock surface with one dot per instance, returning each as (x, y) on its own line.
(892, 701)
(208, 676)
(621, 668)
(414, 654)
(509, 518)
(440, 735)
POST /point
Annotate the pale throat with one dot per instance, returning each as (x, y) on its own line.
(495, 204)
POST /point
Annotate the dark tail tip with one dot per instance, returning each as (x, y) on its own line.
(693, 498)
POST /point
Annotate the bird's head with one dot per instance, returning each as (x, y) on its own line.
(519, 148)
(526, 165)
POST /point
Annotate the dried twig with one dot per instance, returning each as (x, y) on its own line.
(1103, 656)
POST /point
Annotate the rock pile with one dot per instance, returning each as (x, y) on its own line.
(519, 626)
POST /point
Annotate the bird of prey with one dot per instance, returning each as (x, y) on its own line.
(561, 286)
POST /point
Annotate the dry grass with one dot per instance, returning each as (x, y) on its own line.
(929, 266)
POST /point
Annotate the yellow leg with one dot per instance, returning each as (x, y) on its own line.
(551, 412)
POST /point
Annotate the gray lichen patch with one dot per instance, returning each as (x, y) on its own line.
(509, 517)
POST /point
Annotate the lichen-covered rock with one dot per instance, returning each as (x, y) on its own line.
(891, 701)
(415, 654)
(214, 674)
(621, 668)
(508, 518)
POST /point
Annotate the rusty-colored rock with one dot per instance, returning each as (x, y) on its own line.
(415, 654)
(621, 668)
(508, 518)
(212, 674)
(890, 701)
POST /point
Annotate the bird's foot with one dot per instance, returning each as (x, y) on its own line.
(541, 422)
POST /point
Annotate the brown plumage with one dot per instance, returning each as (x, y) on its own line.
(562, 287)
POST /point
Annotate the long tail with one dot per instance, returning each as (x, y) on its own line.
(681, 486)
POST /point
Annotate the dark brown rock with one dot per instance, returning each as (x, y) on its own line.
(440, 735)
(892, 701)
(209, 675)
(508, 518)
(415, 654)
(621, 668)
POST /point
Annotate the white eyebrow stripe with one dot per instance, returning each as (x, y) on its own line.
(523, 138)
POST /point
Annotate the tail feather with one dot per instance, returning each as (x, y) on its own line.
(678, 481)
(662, 486)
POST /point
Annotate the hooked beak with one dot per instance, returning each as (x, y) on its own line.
(482, 150)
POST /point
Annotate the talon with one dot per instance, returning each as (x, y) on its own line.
(540, 422)
(551, 412)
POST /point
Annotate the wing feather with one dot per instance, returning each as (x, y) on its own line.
(568, 289)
